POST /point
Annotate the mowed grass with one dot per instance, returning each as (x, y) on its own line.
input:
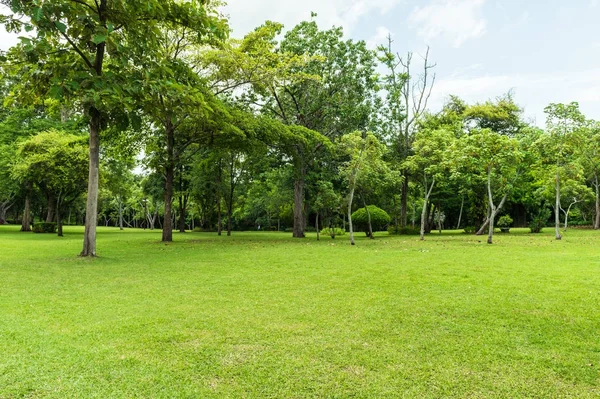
(261, 315)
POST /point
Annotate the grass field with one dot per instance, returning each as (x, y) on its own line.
(260, 315)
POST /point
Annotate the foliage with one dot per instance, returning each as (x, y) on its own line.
(44, 227)
(379, 219)
(333, 232)
(505, 221)
(403, 231)
(538, 222)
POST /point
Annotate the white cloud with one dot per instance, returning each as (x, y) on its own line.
(379, 38)
(533, 92)
(246, 15)
(454, 20)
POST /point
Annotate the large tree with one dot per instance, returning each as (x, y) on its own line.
(90, 52)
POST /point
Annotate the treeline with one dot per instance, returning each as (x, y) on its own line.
(145, 114)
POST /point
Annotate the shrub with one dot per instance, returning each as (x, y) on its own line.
(379, 219)
(470, 229)
(505, 221)
(333, 232)
(539, 221)
(404, 231)
(43, 227)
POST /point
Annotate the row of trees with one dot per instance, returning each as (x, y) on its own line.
(269, 130)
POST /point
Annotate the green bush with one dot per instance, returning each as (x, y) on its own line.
(379, 219)
(43, 227)
(505, 221)
(333, 232)
(470, 229)
(539, 221)
(404, 231)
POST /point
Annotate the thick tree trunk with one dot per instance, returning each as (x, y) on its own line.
(51, 209)
(167, 228)
(91, 209)
(26, 222)
(557, 208)
(299, 218)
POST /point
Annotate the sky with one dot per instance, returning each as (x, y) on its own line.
(544, 51)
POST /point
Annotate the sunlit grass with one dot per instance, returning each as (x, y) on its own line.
(262, 315)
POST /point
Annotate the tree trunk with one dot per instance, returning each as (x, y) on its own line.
(370, 226)
(120, 213)
(229, 217)
(557, 208)
(424, 211)
(350, 199)
(182, 212)
(91, 209)
(51, 209)
(404, 202)
(26, 222)
(462, 205)
(219, 217)
(317, 227)
(299, 218)
(59, 217)
(167, 228)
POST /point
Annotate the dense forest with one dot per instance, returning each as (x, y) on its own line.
(148, 114)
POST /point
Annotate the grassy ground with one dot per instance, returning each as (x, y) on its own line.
(260, 315)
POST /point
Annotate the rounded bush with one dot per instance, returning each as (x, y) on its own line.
(379, 219)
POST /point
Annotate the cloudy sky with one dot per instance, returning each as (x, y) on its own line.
(544, 50)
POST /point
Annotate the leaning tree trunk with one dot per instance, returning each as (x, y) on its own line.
(91, 209)
(557, 208)
(369, 224)
(299, 219)
(462, 205)
(350, 199)
(167, 230)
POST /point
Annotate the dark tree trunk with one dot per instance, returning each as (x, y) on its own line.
(299, 218)
(51, 209)
(167, 228)
(404, 202)
(59, 218)
(26, 222)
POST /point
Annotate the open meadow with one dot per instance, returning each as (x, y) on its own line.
(262, 315)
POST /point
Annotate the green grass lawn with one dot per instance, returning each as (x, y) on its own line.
(261, 315)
